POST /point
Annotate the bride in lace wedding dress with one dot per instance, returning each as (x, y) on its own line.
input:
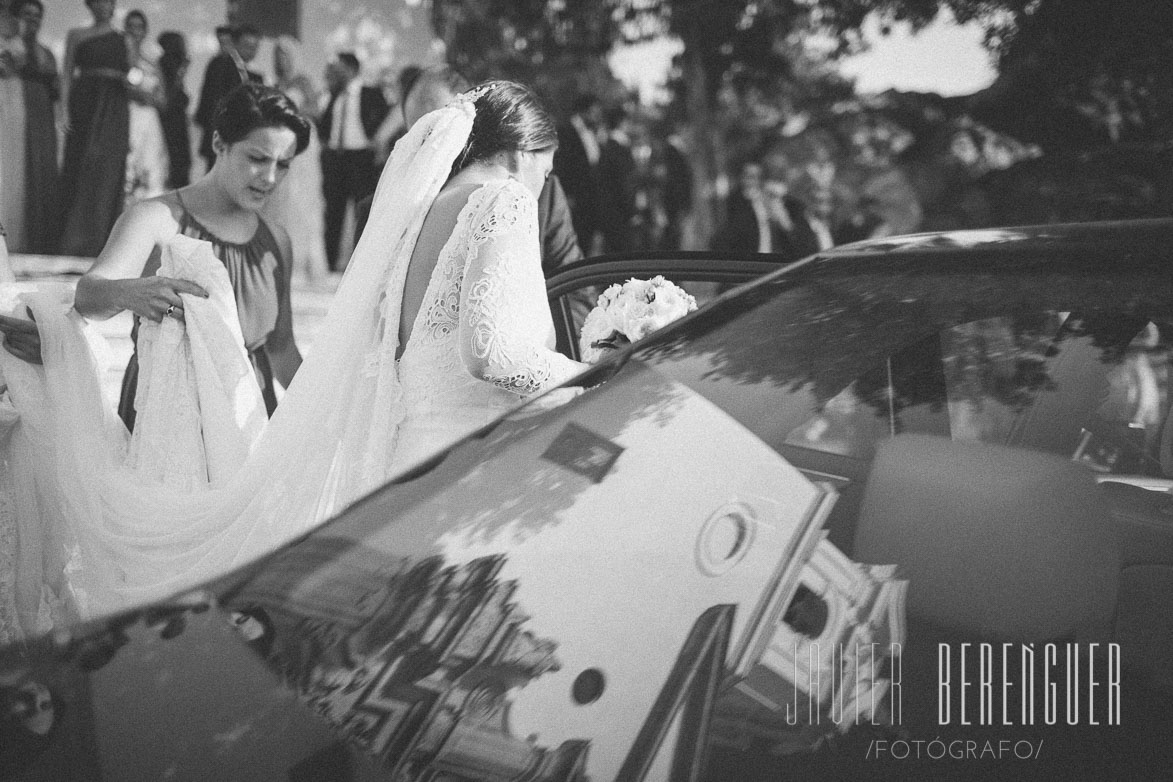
(440, 325)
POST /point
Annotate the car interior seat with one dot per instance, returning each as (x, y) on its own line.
(996, 542)
(1144, 520)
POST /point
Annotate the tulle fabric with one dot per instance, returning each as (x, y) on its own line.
(129, 534)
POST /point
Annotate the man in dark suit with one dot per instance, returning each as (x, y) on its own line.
(347, 128)
(576, 163)
(428, 90)
(225, 71)
(763, 217)
(616, 184)
(676, 192)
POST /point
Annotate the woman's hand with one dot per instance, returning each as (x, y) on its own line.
(155, 297)
(21, 338)
(117, 282)
(152, 297)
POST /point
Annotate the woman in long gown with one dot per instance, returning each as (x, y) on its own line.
(297, 205)
(439, 326)
(146, 161)
(173, 65)
(93, 176)
(258, 133)
(12, 122)
(42, 89)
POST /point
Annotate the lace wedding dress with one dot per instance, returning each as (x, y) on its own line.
(205, 483)
(486, 319)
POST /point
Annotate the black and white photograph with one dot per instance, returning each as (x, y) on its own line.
(586, 390)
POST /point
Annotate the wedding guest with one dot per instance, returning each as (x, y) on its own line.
(746, 228)
(806, 171)
(97, 137)
(297, 205)
(764, 217)
(12, 124)
(225, 71)
(147, 163)
(224, 38)
(431, 89)
(347, 126)
(42, 90)
(392, 127)
(676, 191)
(616, 183)
(405, 81)
(576, 164)
(173, 116)
(256, 133)
(290, 78)
(385, 140)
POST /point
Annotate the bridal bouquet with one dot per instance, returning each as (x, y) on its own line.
(631, 311)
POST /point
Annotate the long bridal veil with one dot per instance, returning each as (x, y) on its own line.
(141, 519)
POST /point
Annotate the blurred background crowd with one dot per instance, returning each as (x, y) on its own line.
(755, 141)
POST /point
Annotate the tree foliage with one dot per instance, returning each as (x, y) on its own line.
(557, 46)
(1085, 74)
(1072, 75)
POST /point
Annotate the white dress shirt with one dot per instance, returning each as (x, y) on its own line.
(590, 141)
(346, 130)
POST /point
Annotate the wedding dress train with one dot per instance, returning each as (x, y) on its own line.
(205, 484)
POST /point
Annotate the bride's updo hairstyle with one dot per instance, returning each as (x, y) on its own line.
(252, 106)
(509, 117)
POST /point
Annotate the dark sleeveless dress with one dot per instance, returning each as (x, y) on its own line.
(93, 177)
(41, 92)
(260, 280)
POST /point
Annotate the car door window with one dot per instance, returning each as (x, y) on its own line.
(571, 308)
(1093, 389)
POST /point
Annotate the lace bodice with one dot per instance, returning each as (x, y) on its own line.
(483, 338)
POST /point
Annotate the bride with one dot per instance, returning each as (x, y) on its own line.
(440, 324)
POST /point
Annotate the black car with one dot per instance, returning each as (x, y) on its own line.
(900, 510)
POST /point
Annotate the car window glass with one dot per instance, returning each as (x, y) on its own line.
(1091, 389)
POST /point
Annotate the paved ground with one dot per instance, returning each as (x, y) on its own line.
(311, 299)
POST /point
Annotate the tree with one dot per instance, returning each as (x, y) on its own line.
(558, 47)
(1083, 74)
(1071, 74)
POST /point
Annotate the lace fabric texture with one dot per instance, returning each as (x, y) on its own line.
(38, 543)
(11, 626)
(200, 409)
(484, 341)
(206, 484)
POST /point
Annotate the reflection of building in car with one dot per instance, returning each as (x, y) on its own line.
(28, 715)
(421, 662)
(413, 661)
(832, 660)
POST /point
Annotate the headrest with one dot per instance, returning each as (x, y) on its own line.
(996, 542)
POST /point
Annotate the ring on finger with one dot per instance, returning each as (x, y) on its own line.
(170, 310)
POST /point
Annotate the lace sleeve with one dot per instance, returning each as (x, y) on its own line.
(505, 326)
